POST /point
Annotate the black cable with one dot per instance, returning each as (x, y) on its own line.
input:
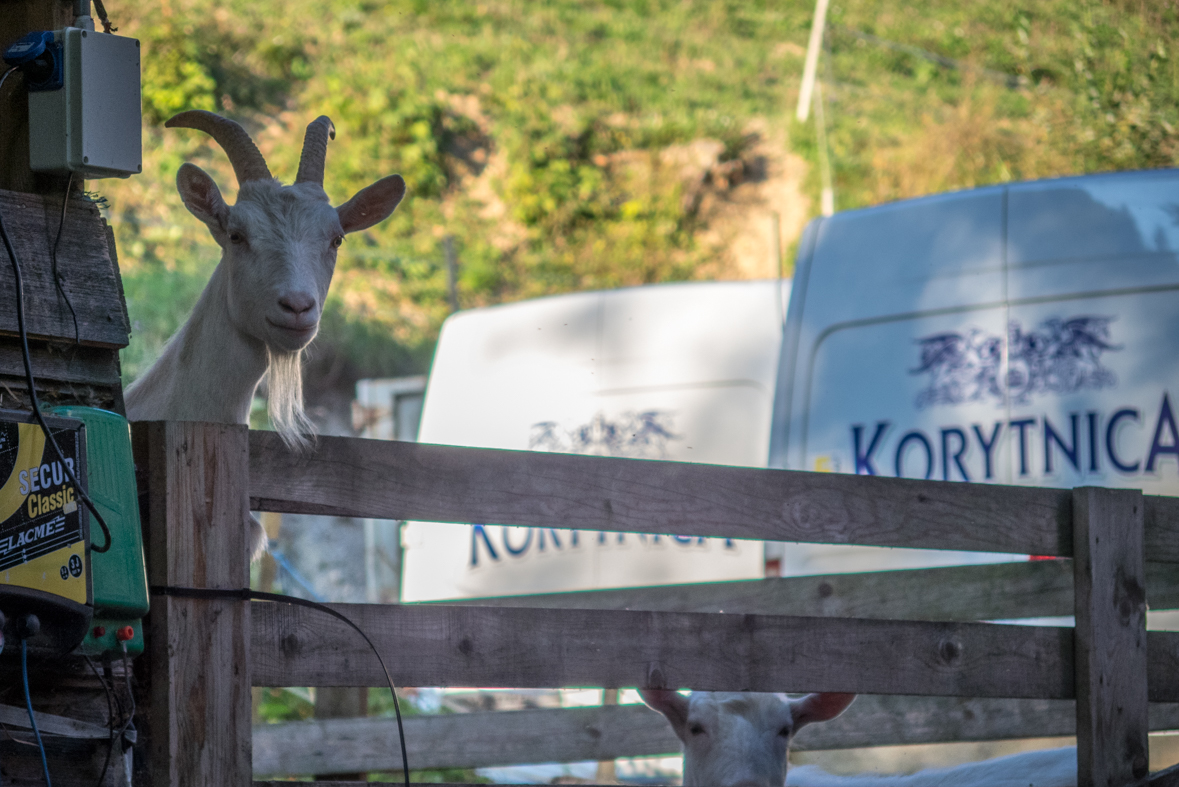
(130, 696)
(24, 344)
(110, 716)
(57, 280)
(24, 674)
(245, 594)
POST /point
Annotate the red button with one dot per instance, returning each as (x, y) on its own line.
(99, 631)
(124, 634)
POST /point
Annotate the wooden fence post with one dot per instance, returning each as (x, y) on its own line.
(199, 692)
(1110, 640)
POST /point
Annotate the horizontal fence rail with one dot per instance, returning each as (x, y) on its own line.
(352, 783)
(479, 740)
(999, 591)
(539, 648)
(542, 648)
(394, 480)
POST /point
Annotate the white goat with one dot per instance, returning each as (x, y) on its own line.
(263, 303)
(741, 740)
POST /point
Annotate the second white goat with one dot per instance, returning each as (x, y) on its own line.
(742, 740)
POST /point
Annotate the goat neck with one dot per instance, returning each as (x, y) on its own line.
(207, 372)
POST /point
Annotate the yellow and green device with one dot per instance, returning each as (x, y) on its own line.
(89, 602)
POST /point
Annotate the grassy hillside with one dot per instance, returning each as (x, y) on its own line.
(571, 145)
(1043, 89)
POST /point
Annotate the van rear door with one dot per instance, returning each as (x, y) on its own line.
(674, 371)
(876, 283)
(1093, 336)
(1020, 335)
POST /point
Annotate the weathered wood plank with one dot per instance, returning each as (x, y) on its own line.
(1162, 656)
(61, 363)
(1168, 777)
(342, 783)
(1164, 778)
(1000, 591)
(477, 740)
(340, 702)
(392, 480)
(537, 648)
(200, 662)
(88, 275)
(1161, 522)
(51, 724)
(386, 479)
(462, 740)
(1110, 649)
(287, 641)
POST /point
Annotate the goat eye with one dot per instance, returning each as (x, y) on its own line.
(696, 729)
(337, 242)
(237, 237)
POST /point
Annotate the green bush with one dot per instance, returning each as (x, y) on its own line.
(532, 133)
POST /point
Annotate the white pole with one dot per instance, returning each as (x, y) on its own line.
(812, 61)
(827, 196)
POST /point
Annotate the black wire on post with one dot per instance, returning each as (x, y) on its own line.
(24, 345)
(129, 723)
(245, 594)
(57, 281)
(110, 715)
(7, 72)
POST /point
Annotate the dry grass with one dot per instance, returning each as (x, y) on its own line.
(964, 146)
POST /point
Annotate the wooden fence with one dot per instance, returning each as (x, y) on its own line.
(205, 654)
(482, 739)
(965, 593)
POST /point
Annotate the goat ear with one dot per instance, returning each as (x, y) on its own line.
(371, 205)
(203, 199)
(819, 707)
(672, 705)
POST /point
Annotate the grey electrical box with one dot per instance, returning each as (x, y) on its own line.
(91, 125)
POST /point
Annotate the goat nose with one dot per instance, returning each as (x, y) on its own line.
(297, 303)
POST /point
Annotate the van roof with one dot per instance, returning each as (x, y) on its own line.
(1065, 181)
(951, 251)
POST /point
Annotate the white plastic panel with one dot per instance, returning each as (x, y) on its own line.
(682, 372)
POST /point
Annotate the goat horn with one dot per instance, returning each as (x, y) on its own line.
(244, 155)
(319, 131)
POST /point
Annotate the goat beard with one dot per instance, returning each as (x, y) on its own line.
(284, 383)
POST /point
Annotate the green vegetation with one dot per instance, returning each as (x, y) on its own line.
(1097, 88)
(538, 135)
(272, 706)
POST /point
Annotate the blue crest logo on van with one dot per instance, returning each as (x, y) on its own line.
(1057, 357)
(642, 435)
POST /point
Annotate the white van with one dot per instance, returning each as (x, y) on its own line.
(1018, 334)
